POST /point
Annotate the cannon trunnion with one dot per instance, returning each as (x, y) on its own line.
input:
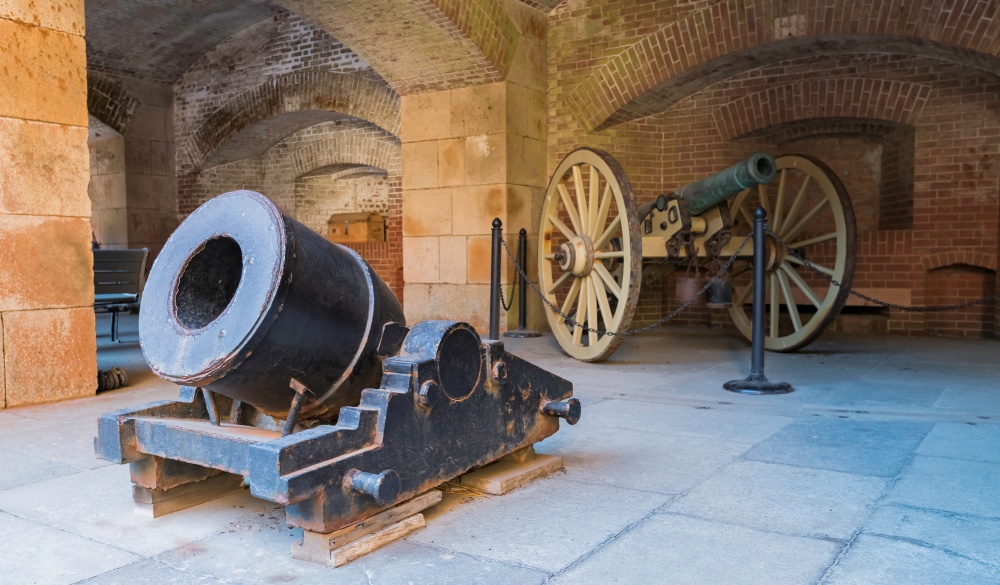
(317, 393)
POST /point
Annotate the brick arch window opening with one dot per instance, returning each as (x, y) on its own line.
(959, 283)
(335, 190)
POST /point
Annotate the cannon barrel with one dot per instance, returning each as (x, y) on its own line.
(757, 169)
(242, 299)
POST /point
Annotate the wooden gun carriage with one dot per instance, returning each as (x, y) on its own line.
(596, 245)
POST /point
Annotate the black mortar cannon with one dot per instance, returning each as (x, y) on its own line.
(298, 372)
(597, 245)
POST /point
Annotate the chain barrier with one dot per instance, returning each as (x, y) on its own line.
(909, 308)
(504, 303)
(722, 272)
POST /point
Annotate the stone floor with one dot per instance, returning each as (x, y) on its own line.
(882, 467)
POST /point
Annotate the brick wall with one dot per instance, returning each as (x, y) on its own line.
(47, 330)
(108, 219)
(913, 137)
(273, 109)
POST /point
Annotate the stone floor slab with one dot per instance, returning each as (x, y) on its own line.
(37, 554)
(951, 485)
(151, 571)
(969, 536)
(19, 469)
(874, 560)
(260, 555)
(546, 525)
(973, 442)
(867, 447)
(654, 462)
(785, 499)
(675, 549)
(97, 504)
(70, 443)
(692, 421)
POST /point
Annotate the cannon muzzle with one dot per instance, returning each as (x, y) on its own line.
(702, 195)
(242, 299)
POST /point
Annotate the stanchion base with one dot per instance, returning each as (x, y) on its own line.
(521, 333)
(758, 384)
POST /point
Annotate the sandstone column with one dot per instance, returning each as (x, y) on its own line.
(46, 282)
(469, 155)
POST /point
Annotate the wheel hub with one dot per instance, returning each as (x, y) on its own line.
(775, 254)
(577, 256)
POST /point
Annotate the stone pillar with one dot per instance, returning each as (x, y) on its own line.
(46, 267)
(470, 155)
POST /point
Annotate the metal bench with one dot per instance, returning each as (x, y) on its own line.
(119, 276)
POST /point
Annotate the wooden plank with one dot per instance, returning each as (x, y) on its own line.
(156, 503)
(316, 547)
(522, 455)
(377, 540)
(504, 476)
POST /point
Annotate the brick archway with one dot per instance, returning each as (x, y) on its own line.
(855, 98)
(110, 102)
(279, 107)
(421, 45)
(341, 150)
(955, 257)
(733, 36)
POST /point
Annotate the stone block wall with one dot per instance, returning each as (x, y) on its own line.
(46, 279)
(109, 218)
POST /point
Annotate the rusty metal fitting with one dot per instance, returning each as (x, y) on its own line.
(429, 394)
(567, 409)
(384, 487)
(500, 372)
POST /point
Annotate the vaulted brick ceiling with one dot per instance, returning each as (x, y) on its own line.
(158, 40)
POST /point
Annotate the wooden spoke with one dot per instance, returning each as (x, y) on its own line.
(574, 217)
(609, 281)
(805, 288)
(825, 270)
(561, 227)
(592, 201)
(581, 312)
(790, 235)
(762, 194)
(775, 308)
(793, 309)
(602, 300)
(809, 203)
(797, 203)
(598, 202)
(742, 296)
(746, 216)
(779, 203)
(811, 241)
(613, 228)
(556, 284)
(591, 311)
(574, 291)
(581, 197)
(602, 212)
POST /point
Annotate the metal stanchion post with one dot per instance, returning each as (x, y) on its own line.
(495, 280)
(522, 290)
(757, 382)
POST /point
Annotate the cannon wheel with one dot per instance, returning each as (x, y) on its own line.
(589, 253)
(808, 208)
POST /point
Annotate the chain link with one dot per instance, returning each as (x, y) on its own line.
(912, 309)
(722, 272)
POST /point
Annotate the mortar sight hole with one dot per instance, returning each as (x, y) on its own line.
(209, 282)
